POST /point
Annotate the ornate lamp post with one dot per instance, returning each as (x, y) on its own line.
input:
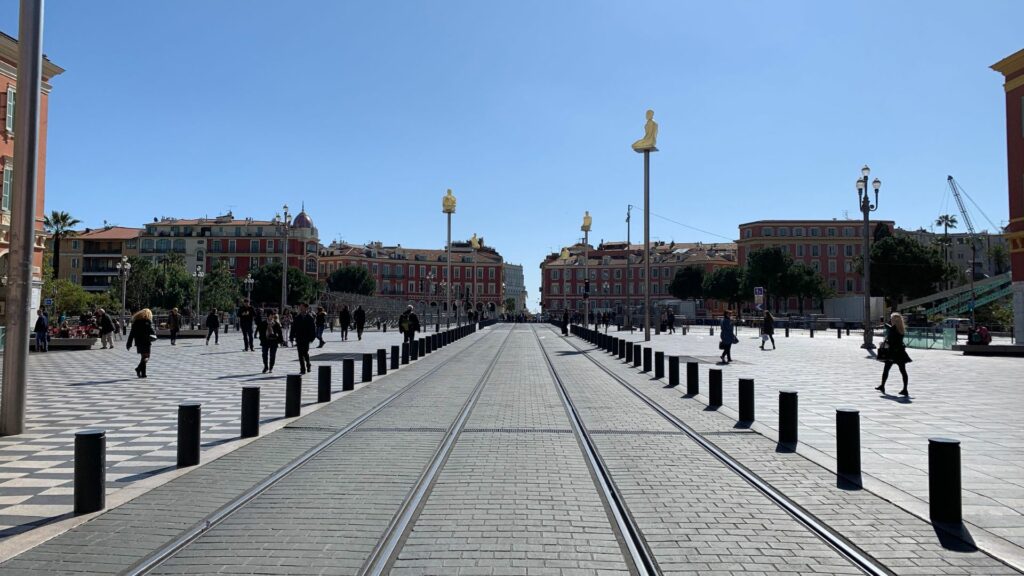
(248, 287)
(198, 275)
(866, 208)
(448, 208)
(629, 279)
(284, 263)
(433, 301)
(124, 268)
(564, 257)
(475, 244)
(586, 268)
(645, 146)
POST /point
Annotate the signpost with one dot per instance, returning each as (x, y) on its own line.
(759, 297)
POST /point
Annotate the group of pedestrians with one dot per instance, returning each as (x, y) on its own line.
(346, 318)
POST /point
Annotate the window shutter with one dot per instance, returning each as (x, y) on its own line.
(10, 108)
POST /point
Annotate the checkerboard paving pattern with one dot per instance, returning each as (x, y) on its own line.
(70, 391)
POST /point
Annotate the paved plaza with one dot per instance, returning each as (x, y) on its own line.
(479, 429)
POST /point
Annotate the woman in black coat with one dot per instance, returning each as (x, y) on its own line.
(894, 351)
(768, 329)
(142, 335)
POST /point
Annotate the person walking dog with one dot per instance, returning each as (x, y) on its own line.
(894, 351)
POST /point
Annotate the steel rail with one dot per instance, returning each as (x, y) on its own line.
(835, 540)
(385, 551)
(638, 554)
(162, 554)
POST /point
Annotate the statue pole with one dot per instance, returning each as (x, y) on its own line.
(448, 285)
(647, 246)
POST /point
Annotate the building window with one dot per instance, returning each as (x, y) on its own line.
(491, 273)
(618, 274)
(833, 249)
(8, 183)
(458, 274)
(815, 251)
(767, 231)
(10, 109)
(783, 231)
(849, 285)
(654, 273)
(553, 289)
(847, 266)
(831, 266)
(412, 286)
(799, 249)
(815, 232)
(848, 232)
(423, 271)
(816, 264)
(747, 233)
(798, 231)
(832, 232)
(848, 250)
(74, 262)
(479, 273)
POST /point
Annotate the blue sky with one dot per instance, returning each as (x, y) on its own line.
(368, 111)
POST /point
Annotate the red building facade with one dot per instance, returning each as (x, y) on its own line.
(1012, 69)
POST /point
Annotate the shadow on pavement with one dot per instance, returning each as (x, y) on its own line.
(954, 536)
(94, 382)
(15, 530)
(849, 482)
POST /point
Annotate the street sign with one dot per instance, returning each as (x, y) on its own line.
(48, 302)
(759, 291)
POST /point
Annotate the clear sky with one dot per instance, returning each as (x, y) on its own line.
(368, 111)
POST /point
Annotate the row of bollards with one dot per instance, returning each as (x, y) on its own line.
(91, 445)
(944, 482)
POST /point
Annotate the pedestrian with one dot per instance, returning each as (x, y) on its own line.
(42, 331)
(142, 335)
(727, 338)
(408, 324)
(106, 329)
(246, 316)
(213, 327)
(303, 333)
(321, 325)
(768, 329)
(344, 320)
(360, 318)
(894, 351)
(270, 333)
(671, 321)
(174, 324)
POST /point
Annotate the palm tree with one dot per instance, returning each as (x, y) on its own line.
(60, 225)
(947, 221)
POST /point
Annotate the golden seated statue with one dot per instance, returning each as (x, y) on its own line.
(650, 139)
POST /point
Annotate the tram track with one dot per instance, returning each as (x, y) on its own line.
(847, 550)
(158, 557)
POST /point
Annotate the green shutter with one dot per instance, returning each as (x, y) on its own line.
(8, 184)
(10, 109)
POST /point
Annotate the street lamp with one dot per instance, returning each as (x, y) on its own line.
(629, 279)
(124, 268)
(866, 208)
(430, 292)
(448, 208)
(198, 274)
(248, 287)
(474, 243)
(284, 264)
(564, 257)
(586, 267)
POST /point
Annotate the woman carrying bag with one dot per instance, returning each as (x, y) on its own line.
(894, 351)
(142, 335)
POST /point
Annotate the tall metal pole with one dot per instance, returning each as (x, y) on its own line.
(865, 208)
(284, 264)
(647, 245)
(448, 286)
(629, 279)
(23, 210)
(586, 278)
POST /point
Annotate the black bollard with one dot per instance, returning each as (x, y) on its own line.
(647, 359)
(250, 411)
(382, 361)
(847, 330)
(847, 441)
(414, 350)
(839, 333)
(637, 355)
(711, 331)
(421, 343)
(90, 471)
(787, 417)
(659, 364)
(812, 331)
(629, 352)
(622, 348)
(714, 387)
(673, 371)
(746, 399)
(292, 395)
(189, 419)
(323, 384)
(367, 366)
(405, 352)
(395, 354)
(944, 480)
(348, 374)
(692, 379)
(428, 343)
(787, 331)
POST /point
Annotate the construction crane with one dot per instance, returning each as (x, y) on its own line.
(973, 236)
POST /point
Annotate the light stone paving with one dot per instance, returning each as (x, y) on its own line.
(977, 400)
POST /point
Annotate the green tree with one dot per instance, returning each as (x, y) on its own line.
(219, 288)
(805, 282)
(725, 285)
(141, 286)
(175, 285)
(767, 267)
(902, 267)
(353, 280)
(881, 232)
(267, 287)
(1000, 258)
(59, 225)
(510, 305)
(688, 283)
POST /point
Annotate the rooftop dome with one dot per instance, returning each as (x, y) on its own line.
(302, 221)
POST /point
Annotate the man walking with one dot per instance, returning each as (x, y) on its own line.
(42, 329)
(304, 332)
(174, 324)
(321, 325)
(360, 318)
(409, 324)
(246, 316)
(213, 327)
(671, 321)
(344, 321)
(106, 329)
